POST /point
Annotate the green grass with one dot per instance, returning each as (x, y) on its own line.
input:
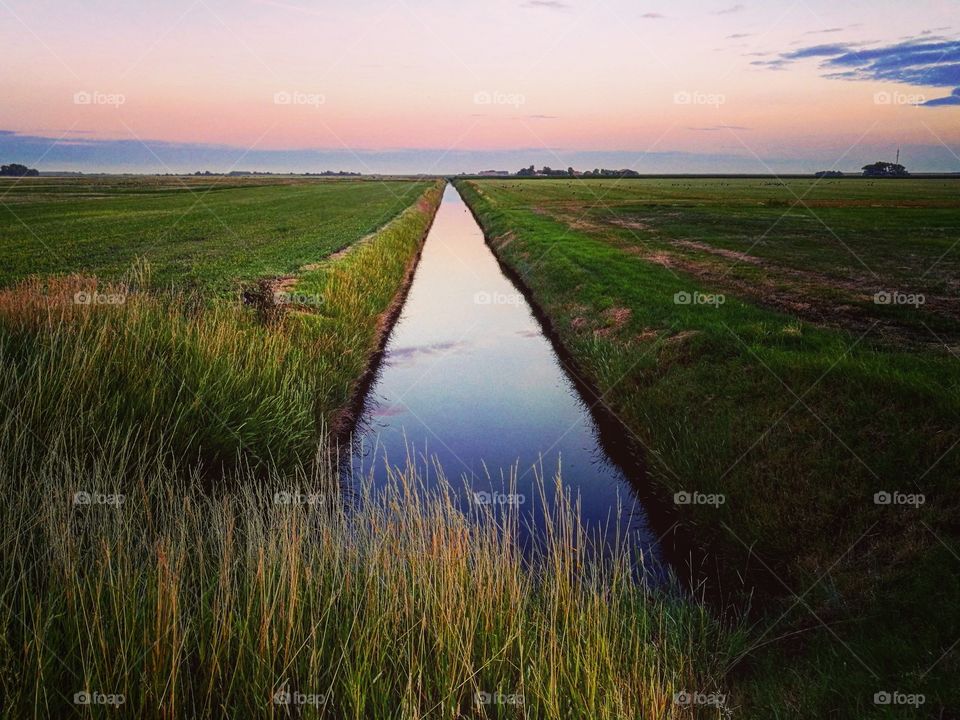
(796, 423)
(209, 235)
(212, 380)
(204, 594)
(817, 248)
(196, 605)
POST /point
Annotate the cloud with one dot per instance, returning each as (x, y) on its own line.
(548, 4)
(778, 64)
(715, 128)
(653, 16)
(951, 99)
(816, 51)
(730, 10)
(931, 62)
(738, 36)
(131, 156)
(543, 117)
(293, 8)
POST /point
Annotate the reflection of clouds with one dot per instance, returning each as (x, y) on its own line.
(409, 355)
(529, 333)
(385, 411)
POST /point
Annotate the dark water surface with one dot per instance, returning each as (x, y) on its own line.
(469, 381)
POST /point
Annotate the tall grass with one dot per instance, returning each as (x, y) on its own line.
(193, 604)
(129, 579)
(211, 380)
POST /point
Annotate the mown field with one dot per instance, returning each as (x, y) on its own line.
(195, 233)
(735, 326)
(172, 540)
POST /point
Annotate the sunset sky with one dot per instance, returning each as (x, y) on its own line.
(431, 86)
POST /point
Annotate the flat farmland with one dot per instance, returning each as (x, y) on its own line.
(208, 234)
(791, 346)
(819, 249)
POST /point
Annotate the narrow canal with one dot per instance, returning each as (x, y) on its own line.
(470, 383)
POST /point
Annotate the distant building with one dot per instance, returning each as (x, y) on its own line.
(494, 172)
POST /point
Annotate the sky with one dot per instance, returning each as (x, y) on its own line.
(436, 86)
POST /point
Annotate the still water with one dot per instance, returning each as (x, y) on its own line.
(470, 382)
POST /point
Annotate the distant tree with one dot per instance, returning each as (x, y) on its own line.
(526, 172)
(17, 170)
(828, 174)
(885, 169)
(571, 172)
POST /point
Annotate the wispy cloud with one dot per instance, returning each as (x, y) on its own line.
(291, 7)
(951, 99)
(739, 36)
(653, 16)
(730, 10)
(717, 128)
(547, 4)
(928, 63)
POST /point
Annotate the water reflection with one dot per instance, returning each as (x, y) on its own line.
(469, 383)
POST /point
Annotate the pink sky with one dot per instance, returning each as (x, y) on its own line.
(570, 75)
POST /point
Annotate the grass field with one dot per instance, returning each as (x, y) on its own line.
(189, 371)
(207, 234)
(818, 249)
(173, 542)
(732, 326)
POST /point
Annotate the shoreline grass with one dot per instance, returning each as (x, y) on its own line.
(271, 600)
